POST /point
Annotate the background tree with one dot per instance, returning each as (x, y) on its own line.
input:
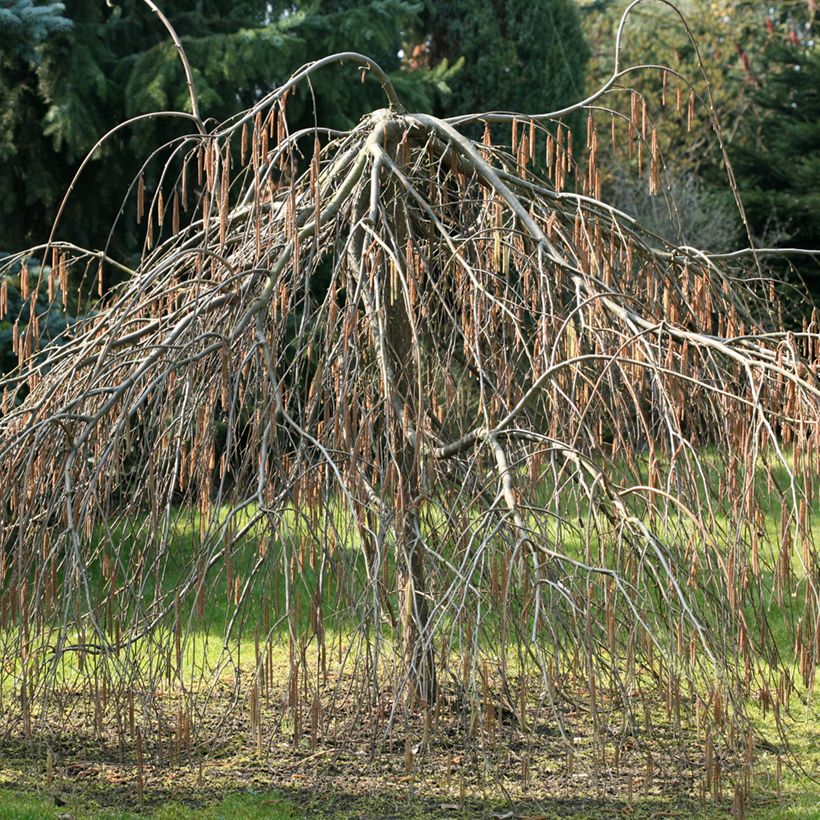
(728, 72)
(522, 55)
(99, 64)
(777, 158)
(114, 62)
(727, 49)
(23, 25)
(67, 80)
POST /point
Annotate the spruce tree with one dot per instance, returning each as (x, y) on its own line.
(778, 164)
(67, 79)
(115, 61)
(23, 25)
(521, 55)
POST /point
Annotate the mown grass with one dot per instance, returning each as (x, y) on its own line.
(267, 602)
(242, 806)
(795, 804)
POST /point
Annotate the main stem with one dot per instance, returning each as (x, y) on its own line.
(413, 599)
(402, 353)
(397, 350)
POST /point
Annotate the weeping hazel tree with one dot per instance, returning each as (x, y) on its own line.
(396, 428)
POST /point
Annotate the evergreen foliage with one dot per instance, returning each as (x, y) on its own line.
(779, 166)
(52, 320)
(115, 62)
(70, 72)
(24, 24)
(521, 55)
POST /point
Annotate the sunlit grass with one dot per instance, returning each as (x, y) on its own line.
(206, 622)
(22, 806)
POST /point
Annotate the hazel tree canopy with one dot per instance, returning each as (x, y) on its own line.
(514, 443)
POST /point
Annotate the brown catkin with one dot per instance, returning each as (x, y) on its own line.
(63, 279)
(654, 167)
(210, 157)
(140, 198)
(532, 141)
(175, 213)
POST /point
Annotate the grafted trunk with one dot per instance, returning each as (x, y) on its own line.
(397, 350)
(413, 598)
(402, 350)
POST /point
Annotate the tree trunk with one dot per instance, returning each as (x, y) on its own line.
(397, 350)
(413, 601)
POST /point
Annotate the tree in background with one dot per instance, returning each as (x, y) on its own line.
(115, 61)
(778, 161)
(522, 55)
(735, 85)
(732, 39)
(100, 64)
(23, 25)
(67, 78)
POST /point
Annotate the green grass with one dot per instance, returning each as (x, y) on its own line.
(241, 806)
(22, 806)
(274, 805)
